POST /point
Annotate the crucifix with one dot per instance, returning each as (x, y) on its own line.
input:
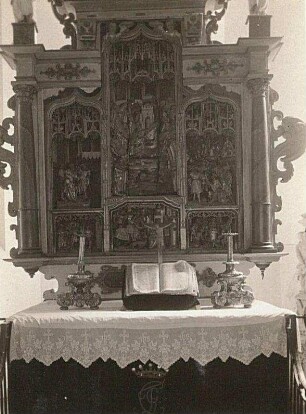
(158, 225)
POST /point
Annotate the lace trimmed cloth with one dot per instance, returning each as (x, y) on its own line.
(46, 333)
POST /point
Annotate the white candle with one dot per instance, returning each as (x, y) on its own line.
(81, 249)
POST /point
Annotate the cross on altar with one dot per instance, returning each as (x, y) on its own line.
(158, 225)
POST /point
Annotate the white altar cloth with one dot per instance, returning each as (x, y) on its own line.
(46, 333)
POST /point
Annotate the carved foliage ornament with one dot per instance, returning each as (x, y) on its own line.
(215, 66)
(259, 86)
(67, 71)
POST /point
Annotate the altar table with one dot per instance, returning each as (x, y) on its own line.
(46, 333)
(82, 361)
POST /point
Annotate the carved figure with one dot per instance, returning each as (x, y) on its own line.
(23, 10)
(69, 187)
(83, 181)
(258, 7)
(196, 185)
(75, 183)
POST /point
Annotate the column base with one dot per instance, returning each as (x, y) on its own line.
(263, 248)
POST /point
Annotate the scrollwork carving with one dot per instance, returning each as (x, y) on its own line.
(67, 20)
(212, 25)
(7, 159)
(293, 132)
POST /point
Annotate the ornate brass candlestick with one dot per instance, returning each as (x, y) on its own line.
(80, 284)
(233, 290)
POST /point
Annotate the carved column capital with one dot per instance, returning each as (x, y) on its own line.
(259, 86)
(25, 92)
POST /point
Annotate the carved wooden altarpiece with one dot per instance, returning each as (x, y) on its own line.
(145, 118)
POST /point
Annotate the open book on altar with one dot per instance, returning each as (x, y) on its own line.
(168, 278)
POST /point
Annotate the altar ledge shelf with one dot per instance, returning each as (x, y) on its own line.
(45, 333)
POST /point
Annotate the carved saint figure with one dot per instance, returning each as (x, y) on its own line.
(75, 183)
(83, 181)
(196, 185)
(23, 10)
(69, 187)
(258, 7)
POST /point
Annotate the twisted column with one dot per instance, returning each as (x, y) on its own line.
(27, 217)
(261, 196)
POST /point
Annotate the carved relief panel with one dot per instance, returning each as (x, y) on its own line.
(74, 160)
(206, 228)
(76, 156)
(213, 164)
(67, 228)
(211, 141)
(143, 82)
(136, 226)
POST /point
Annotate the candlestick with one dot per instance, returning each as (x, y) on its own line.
(233, 290)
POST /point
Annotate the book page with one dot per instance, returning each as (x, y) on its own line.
(175, 278)
(145, 278)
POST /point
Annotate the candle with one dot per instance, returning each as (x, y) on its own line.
(81, 249)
